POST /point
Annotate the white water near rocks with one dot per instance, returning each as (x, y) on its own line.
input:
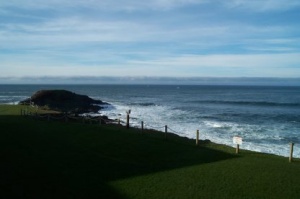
(267, 118)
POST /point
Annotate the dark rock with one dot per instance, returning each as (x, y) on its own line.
(64, 101)
(206, 141)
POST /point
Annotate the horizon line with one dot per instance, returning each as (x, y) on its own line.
(278, 81)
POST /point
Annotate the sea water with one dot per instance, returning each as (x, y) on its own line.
(267, 118)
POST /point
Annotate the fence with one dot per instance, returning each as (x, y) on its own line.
(102, 120)
(67, 117)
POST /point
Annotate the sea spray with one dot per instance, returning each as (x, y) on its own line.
(267, 118)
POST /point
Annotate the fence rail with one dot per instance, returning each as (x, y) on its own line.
(67, 117)
(101, 120)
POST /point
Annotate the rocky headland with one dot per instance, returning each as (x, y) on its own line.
(64, 101)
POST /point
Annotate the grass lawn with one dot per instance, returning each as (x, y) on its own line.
(41, 159)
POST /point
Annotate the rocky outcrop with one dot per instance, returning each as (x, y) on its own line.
(64, 101)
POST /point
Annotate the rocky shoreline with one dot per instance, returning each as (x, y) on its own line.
(64, 101)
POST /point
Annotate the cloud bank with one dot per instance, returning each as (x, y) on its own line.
(183, 38)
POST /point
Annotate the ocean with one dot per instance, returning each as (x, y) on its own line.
(267, 118)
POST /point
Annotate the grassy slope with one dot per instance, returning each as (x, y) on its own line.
(40, 159)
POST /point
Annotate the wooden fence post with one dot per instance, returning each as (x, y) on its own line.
(197, 137)
(166, 131)
(237, 149)
(127, 121)
(291, 151)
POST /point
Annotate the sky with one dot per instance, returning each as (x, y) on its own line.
(158, 38)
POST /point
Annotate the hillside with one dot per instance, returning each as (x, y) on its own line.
(41, 159)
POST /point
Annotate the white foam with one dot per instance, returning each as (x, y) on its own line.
(256, 137)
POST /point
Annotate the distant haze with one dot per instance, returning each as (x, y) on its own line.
(153, 80)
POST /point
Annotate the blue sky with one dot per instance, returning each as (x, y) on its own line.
(160, 38)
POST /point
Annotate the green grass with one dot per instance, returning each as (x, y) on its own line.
(16, 110)
(41, 159)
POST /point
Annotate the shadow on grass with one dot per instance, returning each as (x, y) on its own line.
(55, 160)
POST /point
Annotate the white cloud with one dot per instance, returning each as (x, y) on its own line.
(70, 29)
(76, 30)
(264, 65)
(121, 5)
(263, 5)
(232, 65)
(66, 31)
(229, 60)
(133, 5)
(113, 40)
